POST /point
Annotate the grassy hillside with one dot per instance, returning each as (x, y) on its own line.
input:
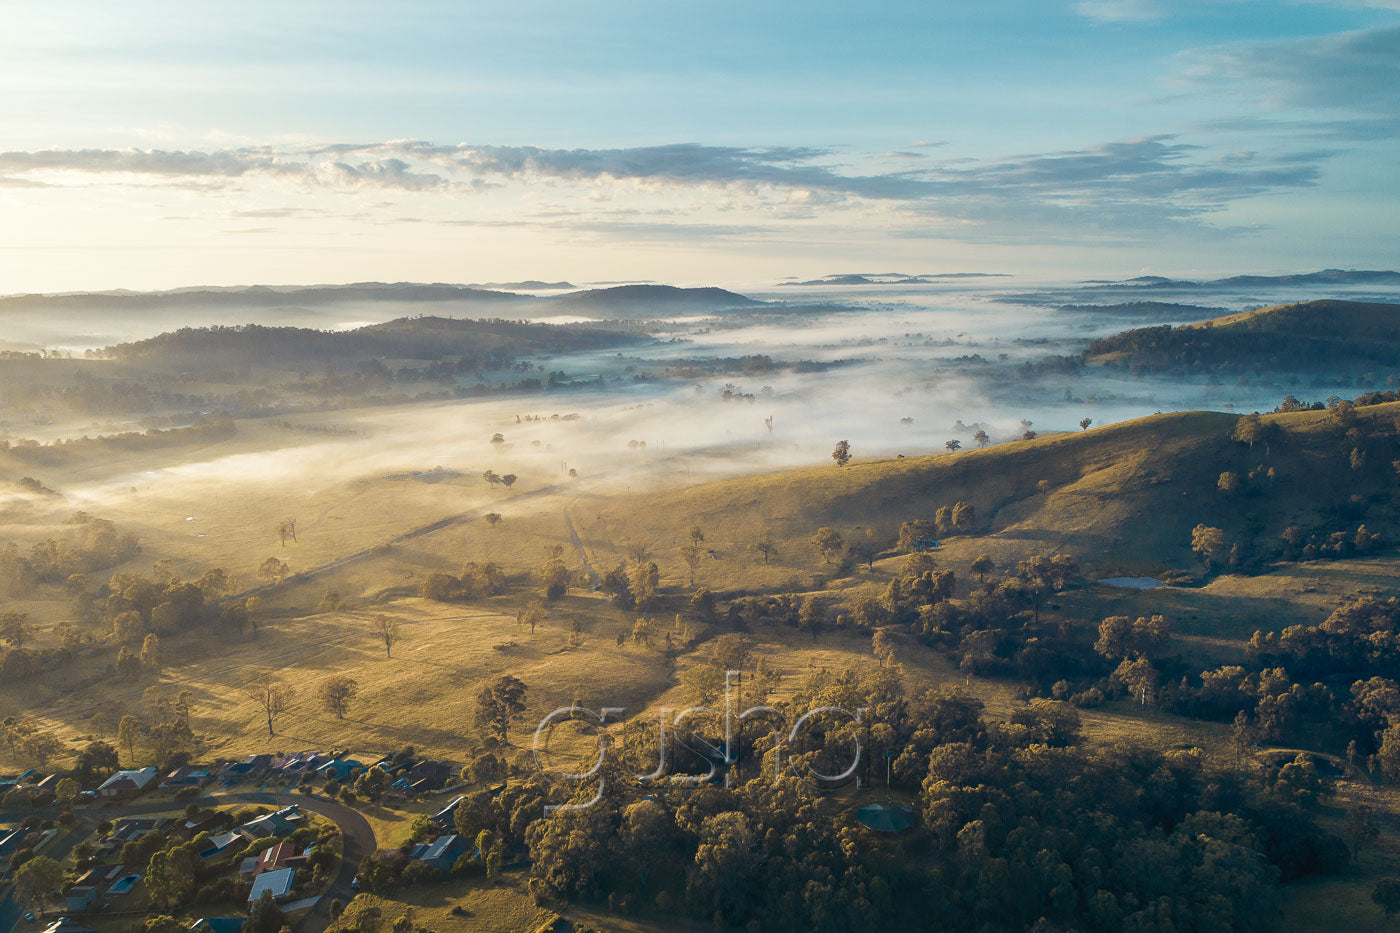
(1312, 336)
(1124, 497)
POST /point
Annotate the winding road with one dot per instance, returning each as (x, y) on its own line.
(357, 840)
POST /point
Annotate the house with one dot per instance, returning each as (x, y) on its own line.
(80, 898)
(277, 883)
(222, 843)
(92, 878)
(447, 816)
(48, 783)
(282, 855)
(442, 853)
(281, 823)
(186, 776)
(130, 829)
(422, 777)
(248, 868)
(11, 843)
(294, 766)
(254, 766)
(218, 925)
(339, 769)
(206, 821)
(127, 783)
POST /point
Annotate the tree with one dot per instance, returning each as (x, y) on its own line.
(287, 529)
(170, 875)
(697, 536)
(14, 628)
(531, 615)
(337, 693)
(271, 695)
(842, 453)
(508, 480)
(36, 880)
(496, 702)
(766, 546)
(1386, 895)
(1084, 423)
(150, 652)
(555, 577)
(386, 628)
(953, 446)
(982, 565)
(690, 553)
(981, 438)
(66, 791)
(963, 516)
(274, 571)
(811, 615)
(1209, 544)
(828, 542)
(882, 646)
(127, 731)
(493, 518)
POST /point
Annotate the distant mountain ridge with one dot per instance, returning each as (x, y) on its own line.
(895, 278)
(630, 302)
(1323, 277)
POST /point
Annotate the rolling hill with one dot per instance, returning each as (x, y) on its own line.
(1124, 497)
(1312, 336)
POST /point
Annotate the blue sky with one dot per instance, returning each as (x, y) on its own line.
(155, 144)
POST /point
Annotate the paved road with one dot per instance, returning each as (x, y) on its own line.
(356, 834)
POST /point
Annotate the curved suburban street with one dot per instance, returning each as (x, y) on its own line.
(357, 840)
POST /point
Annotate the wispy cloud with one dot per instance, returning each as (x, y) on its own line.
(1128, 188)
(1119, 11)
(1356, 74)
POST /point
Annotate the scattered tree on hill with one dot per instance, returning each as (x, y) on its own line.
(496, 702)
(638, 551)
(1121, 637)
(645, 584)
(271, 695)
(493, 518)
(337, 693)
(828, 542)
(982, 438)
(555, 577)
(128, 664)
(842, 453)
(1209, 544)
(128, 730)
(150, 652)
(387, 629)
(811, 616)
(697, 536)
(953, 445)
(274, 571)
(287, 529)
(531, 615)
(766, 546)
(14, 628)
(1028, 435)
(882, 646)
(1038, 576)
(963, 516)
(1228, 483)
(982, 565)
(508, 479)
(1084, 423)
(691, 553)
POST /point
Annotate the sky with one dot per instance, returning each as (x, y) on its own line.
(151, 145)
